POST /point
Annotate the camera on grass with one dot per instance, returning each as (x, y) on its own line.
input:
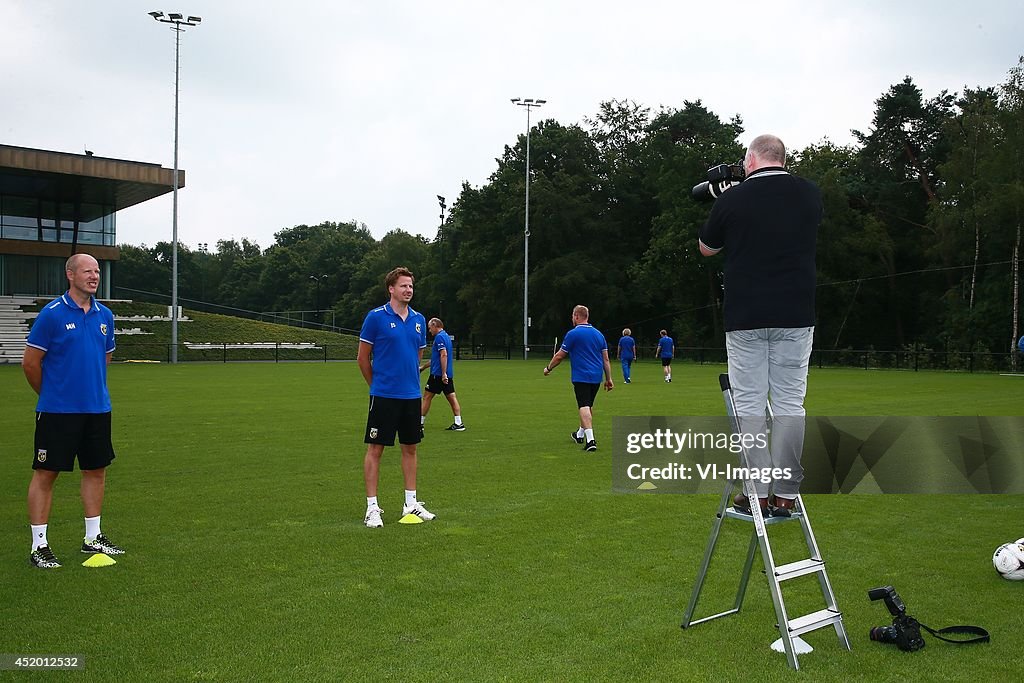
(720, 179)
(905, 630)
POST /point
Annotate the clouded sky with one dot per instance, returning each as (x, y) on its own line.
(365, 110)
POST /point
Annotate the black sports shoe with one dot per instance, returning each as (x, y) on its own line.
(574, 437)
(591, 446)
(456, 427)
(101, 544)
(43, 558)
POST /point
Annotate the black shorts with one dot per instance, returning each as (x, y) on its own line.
(388, 416)
(62, 436)
(585, 393)
(666, 361)
(436, 386)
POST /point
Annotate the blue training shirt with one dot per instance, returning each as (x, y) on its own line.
(441, 341)
(76, 344)
(628, 346)
(396, 351)
(586, 347)
(665, 345)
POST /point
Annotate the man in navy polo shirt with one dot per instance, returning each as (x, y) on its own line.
(65, 362)
(767, 227)
(587, 351)
(391, 344)
(441, 380)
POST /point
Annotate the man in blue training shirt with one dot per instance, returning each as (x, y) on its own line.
(391, 344)
(587, 351)
(441, 379)
(666, 350)
(627, 352)
(65, 362)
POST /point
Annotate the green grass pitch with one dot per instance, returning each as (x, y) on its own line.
(238, 493)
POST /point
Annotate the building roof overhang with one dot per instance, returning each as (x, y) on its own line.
(82, 178)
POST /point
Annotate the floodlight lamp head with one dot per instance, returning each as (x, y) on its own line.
(515, 100)
(156, 15)
(528, 100)
(541, 101)
(195, 20)
(174, 17)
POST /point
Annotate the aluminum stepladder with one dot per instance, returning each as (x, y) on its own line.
(789, 628)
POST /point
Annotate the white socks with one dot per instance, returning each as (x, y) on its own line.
(371, 501)
(92, 527)
(92, 530)
(38, 536)
(588, 434)
(458, 419)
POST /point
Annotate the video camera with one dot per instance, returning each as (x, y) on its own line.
(720, 179)
(905, 630)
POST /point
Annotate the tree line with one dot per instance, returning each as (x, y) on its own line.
(918, 248)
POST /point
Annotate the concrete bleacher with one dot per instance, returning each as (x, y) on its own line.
(14, 327)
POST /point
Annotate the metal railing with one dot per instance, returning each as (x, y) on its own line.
(269, 352)
(303, 319)
(279, 352)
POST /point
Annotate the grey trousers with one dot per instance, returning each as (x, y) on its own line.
(772, 362)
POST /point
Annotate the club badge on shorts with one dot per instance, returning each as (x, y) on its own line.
(373, 435)
(41, 455)
(103, 329)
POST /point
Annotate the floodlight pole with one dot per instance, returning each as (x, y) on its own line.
(528, 103)
(317, 280)
(440, 239)
(177, 22)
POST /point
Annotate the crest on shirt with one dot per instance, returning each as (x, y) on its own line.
(103, 329)
(373, 432)
(418, 329)
(41, 455)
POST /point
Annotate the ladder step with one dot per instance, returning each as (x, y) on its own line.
(736, 514)
(784, 572)
(814, 620)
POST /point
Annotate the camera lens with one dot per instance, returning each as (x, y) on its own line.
(883, 634)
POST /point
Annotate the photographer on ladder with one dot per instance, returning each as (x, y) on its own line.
(767, 226)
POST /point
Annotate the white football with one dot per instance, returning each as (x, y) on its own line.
(1008, 559)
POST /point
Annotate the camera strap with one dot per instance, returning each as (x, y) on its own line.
(980, 634)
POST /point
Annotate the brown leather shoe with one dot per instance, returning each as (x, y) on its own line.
(742, 504)
(781, 507)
